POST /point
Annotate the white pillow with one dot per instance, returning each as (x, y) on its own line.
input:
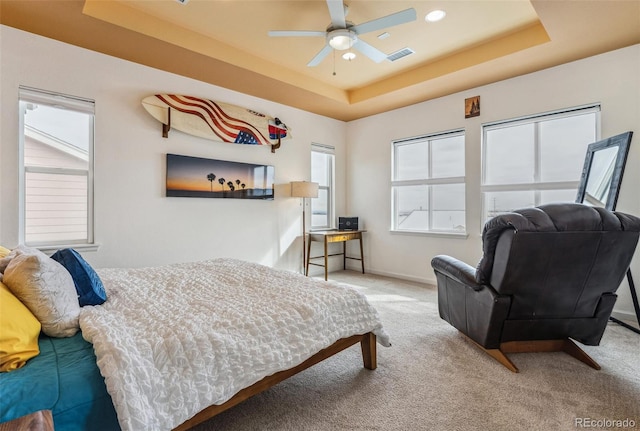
(47, 289)
(21, 249)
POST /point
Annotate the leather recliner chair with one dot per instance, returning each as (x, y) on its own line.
(547, 275)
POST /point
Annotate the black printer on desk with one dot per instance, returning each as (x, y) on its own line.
(347, 223)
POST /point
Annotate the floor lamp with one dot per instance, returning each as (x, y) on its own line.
(304, 190)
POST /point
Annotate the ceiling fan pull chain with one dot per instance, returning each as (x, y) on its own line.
(334, 62)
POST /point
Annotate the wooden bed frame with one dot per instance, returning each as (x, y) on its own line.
(367, 343)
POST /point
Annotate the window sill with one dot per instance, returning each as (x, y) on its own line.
(50, 249)
(452, 235)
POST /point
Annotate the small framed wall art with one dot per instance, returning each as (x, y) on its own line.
(472, 107)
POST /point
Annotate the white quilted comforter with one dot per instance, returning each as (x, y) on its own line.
(175, 339)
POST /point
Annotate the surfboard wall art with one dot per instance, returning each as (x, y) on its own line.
(215, 120)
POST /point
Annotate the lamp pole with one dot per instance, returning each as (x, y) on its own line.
(304, 190)
(304, 237)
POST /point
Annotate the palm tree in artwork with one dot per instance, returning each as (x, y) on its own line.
(221, 181)
(238, 183)
(230, 184)
(232, 187)
(243, 185)
(211, 177)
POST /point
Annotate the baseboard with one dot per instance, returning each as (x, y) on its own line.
(424, 280)
(625, 316)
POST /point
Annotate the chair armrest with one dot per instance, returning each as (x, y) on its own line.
(457, 270)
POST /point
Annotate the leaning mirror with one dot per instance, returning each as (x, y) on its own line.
(600, 185)
(602, 171)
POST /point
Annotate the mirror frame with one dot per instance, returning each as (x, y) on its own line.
(622, 141)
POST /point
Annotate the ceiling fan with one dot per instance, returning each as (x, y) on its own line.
(342, 34)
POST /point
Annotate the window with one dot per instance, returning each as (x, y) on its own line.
(322, 166)
(535, 160)
(428, 190)
(56, 151)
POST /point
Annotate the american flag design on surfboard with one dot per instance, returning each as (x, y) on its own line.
(215, 120)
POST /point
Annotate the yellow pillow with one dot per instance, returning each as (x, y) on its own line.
(19, 330)
(4, 251)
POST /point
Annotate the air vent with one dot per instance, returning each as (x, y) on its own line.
(400, 54)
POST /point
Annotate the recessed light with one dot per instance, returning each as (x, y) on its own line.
(383, 35)
(435, 15)
(349, 56)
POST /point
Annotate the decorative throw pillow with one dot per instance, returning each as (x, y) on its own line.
(4, 251)
(21, 249)
(19, 334)
(88, 284)
(5, 257)
(47, 289)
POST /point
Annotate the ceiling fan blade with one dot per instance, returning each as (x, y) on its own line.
(397, 18)
(285, 33)
(336, 11)
(320, 56)
(373, 53)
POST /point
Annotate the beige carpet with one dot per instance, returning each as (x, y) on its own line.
(433, 378)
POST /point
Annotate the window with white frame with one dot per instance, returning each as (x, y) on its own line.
(536, 160)
(428, 184)
(322, 172)
(56, 181)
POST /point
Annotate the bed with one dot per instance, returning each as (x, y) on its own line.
(177, 344)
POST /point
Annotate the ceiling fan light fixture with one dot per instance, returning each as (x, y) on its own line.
(342, 39)
(435, 15)
(349, 55)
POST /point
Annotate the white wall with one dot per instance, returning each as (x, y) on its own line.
(136, 225)
(613, 79)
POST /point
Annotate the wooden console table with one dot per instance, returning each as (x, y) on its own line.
(329, 236)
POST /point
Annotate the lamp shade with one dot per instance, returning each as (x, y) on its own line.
(304, 189)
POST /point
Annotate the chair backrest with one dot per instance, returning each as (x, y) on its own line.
(557, 260)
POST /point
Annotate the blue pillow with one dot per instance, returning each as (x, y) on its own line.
(88, 284)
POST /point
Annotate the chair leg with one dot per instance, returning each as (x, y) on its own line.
(565, 345)
(499, 356)
(572, 349)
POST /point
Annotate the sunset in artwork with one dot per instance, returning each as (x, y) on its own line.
(200, 177)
